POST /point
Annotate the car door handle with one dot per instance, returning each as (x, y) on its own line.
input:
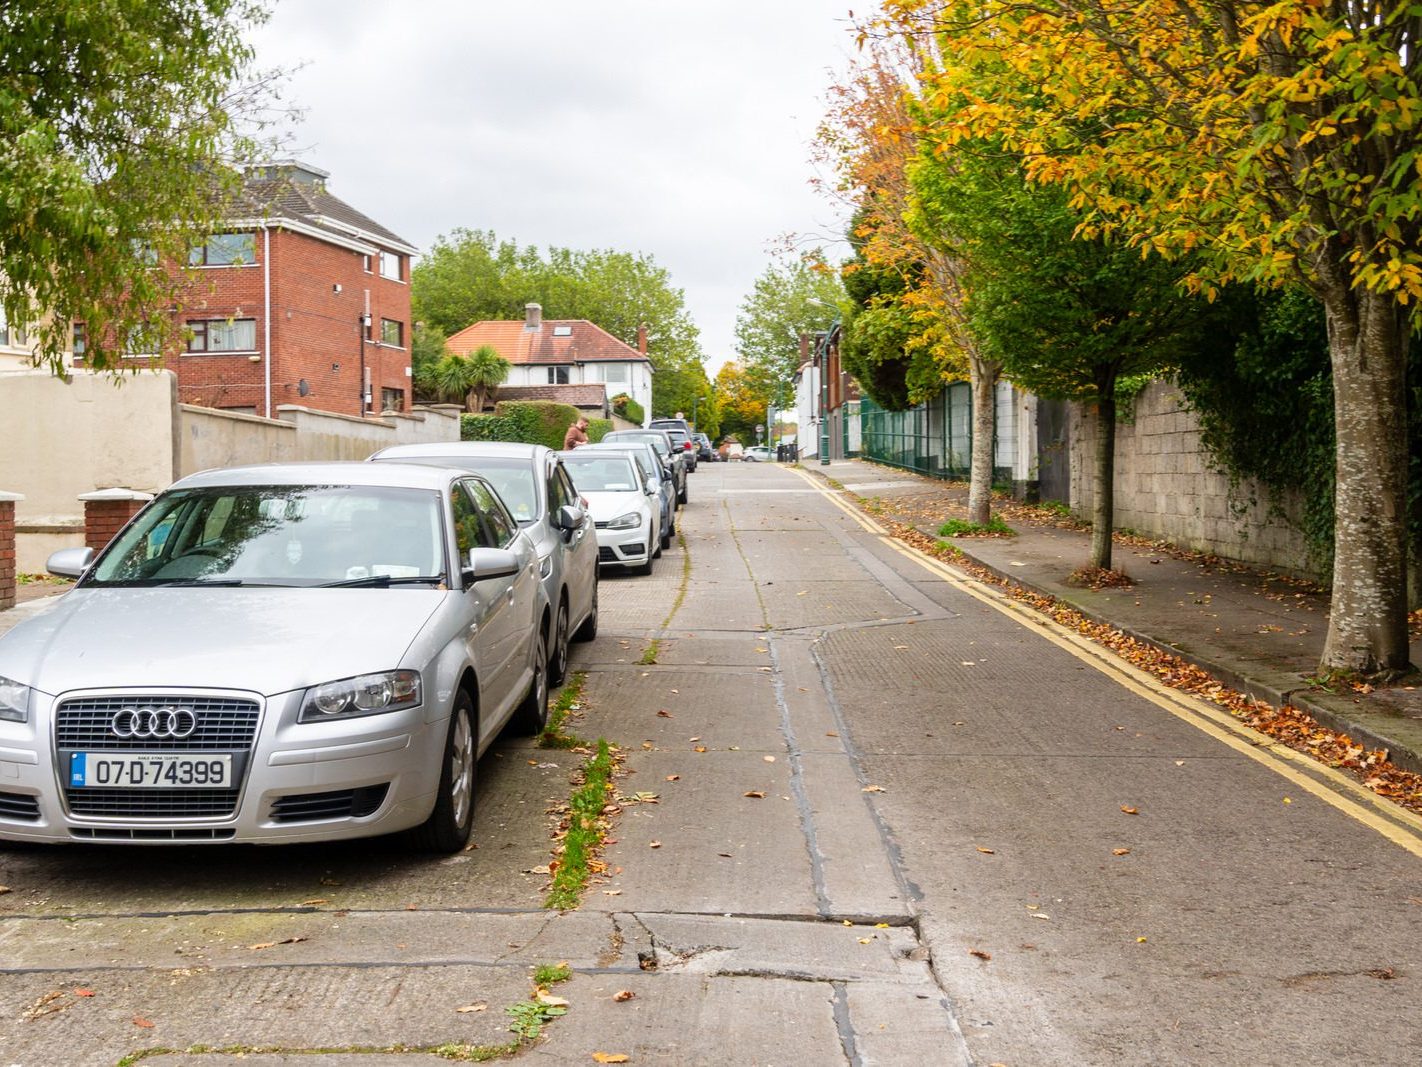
(511, 594)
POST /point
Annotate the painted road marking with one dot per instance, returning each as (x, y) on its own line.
(1397, 824)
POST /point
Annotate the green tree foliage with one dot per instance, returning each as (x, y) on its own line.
(118, 123)
(533, 422)
(427, 348)
(878, 328)
(470, 275)
(788, 299)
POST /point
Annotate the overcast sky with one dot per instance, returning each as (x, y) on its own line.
(680, 130)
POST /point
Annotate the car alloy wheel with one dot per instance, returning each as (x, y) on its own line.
(558, 665)
(452, 821)
(531, 715)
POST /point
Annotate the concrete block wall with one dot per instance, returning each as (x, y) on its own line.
(1168, 486)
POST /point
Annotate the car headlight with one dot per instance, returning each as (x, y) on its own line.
(630, 521)
(368, 694)
(545, 566)
(14, 701)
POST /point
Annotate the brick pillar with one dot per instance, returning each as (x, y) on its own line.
(7, 549)
(107, 511)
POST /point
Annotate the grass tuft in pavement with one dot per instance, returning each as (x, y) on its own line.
(994, 527)
(586, 829)
(569, 700)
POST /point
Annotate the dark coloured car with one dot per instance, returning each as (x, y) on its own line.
(681, 433)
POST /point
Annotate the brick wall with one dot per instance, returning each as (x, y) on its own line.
(1168, 486)
(7, 549)
(106, 512)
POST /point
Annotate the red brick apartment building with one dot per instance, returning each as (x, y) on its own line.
(301, 299)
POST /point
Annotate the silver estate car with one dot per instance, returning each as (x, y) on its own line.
(534, 486)
(274, 654)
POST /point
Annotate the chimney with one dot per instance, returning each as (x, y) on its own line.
(642, 338)
(804, 347)
(533, 316)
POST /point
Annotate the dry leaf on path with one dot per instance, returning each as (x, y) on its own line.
(987, 851)
(664, 714)
(45, 1005)
(83, 992)
(654, 844)
(872, 789)
(768, 759)
(754, 794)
(1120, 852)
(1130, 810)
(979, 953)
(139, 1020)
(610, 1057)
(481, 1006)
(623, 995)
(673, 778)
(273, 944)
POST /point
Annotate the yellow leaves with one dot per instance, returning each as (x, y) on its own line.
(610, 1057)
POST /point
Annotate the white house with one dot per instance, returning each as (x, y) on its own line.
(563, 352)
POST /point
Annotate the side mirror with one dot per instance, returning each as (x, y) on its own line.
(485, 563)
(567, 518)
(69, 562)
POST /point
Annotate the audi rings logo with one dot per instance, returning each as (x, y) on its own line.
(154, 724)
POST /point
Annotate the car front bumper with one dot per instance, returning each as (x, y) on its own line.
(357, 777)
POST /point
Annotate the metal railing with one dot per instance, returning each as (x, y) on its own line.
(933, 438)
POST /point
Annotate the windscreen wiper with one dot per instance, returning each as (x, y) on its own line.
(381, 581)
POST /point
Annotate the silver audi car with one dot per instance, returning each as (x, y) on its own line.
(275, 654)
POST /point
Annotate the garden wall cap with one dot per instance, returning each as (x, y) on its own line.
(10, 498)
(115, 494)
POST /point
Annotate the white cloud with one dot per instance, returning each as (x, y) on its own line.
(678, 130)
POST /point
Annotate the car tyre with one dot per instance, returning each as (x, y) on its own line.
(531, 716)
(681, 496)
(451, 823)
(588, 630)
(646, 568)
(558, 661)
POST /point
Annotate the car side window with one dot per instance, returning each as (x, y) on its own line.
(468, 530)
(559, 492)
(570, 495)
(502, 528)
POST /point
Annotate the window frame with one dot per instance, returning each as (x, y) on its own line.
(199, 256)
(558, 375)
(399, 333)
(203, 328)
(399, 266)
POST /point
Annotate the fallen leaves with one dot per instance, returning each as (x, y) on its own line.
(623, 995)
(1120, 852)
(873, 789)
(1130, 810)
(754, 794)
(610, 1057)
(469, 1008)
(987, 851)
(273, 944)
(979, 953)
(52, 1003)
(139, 1020)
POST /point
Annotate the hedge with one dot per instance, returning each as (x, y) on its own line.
(534, 422)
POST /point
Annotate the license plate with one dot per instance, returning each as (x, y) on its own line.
(149, 770)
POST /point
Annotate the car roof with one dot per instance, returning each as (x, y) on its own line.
(464, 449)
(353, 472)
(573, 454)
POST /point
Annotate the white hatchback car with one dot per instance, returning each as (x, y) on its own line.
(624, 505)
(273, 654)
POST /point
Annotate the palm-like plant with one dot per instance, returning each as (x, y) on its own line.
(474, 378)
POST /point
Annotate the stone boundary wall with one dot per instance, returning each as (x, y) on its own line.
(1168, 487)
(64, 439)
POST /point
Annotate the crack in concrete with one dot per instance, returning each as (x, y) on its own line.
(844, 1025)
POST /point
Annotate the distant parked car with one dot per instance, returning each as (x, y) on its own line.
(655, 472)
(624, 505)
(759, 454)
(680, 430)
(704, 450)
(281, 653)
(662, 442)
(532, 483)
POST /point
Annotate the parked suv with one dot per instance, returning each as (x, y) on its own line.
(703, 447)
(680, 430)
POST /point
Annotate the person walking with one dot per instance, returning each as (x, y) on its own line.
(577, 434)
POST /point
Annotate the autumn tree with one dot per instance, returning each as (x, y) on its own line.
(1276, 142)
(741, 408)
(120, 124)
(912, 290)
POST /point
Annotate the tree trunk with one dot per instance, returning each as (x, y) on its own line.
(1103, 499)
(1367, 340)
(983, 375)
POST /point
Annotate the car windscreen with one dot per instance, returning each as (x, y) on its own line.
(657, 440)
(511, 476)
(296, 535)
(602, 474)
(638, 452)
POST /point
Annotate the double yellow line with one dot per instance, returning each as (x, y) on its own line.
(1397, 824)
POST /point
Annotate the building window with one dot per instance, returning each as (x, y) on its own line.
(11, 336)
(141, 342)
(614, 373)
(365, 264)
(392, 333)
(390, 266)
(224, 250)
(81, 342)
(222, 335)
(392, 400)
(557, 375)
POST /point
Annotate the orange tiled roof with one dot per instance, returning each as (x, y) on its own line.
(584, 342)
